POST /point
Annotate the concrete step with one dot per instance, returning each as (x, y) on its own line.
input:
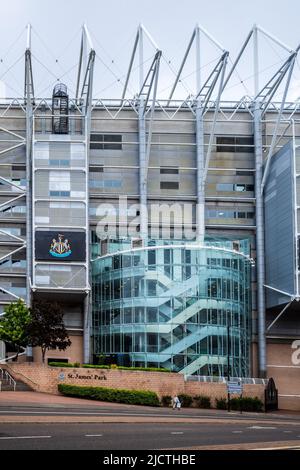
(20, 386)
(23, 387)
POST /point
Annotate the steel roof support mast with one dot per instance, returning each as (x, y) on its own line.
(29, 100)
(145, 100)
(84, 91)
(260, 104)
(260, 249)
(202, 103)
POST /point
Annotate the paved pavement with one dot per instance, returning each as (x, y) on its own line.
(30, 420)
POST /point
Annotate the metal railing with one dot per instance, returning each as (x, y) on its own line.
(4, 375)
(4, 360)
(212, 379)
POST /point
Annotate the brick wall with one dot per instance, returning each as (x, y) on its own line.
(45, 379)
(217, 390)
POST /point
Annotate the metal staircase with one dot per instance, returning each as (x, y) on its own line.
(8, 383)
(60, 110)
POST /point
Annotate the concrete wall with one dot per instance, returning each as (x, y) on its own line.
(45, 379)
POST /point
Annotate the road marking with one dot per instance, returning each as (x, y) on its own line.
(237, 432)
(287, 431)
(93, 435)
(25, 437)
(177, 432)
(262, 427)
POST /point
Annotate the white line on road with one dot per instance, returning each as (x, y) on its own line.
(287, 431)
(262, 427)
(93, 435)
(25, 437)
(237, 432)
(177, 432)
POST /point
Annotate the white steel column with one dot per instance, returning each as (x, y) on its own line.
(86, 330)
(142, 172)
(260, 249)
(296, 265)
(200, 157)
(198, 58)
(141, 56)
(29, 136)
(200, 210)
(88, 114)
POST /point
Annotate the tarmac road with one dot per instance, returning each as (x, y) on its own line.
(39, 421)
(145, 436)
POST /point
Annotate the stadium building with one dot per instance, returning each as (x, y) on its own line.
(167, 229)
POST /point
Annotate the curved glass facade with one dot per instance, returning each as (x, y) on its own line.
(174, 306)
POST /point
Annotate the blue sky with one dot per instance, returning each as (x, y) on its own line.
(56, 39)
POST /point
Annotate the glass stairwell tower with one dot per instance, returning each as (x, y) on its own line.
(168, 305)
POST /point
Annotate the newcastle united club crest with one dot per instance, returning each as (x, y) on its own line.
(60, 248)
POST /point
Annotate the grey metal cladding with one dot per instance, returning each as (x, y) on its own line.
(279, 227)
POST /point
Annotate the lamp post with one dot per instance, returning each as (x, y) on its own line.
(228, 365)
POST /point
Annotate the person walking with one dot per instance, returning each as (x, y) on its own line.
(176, 403)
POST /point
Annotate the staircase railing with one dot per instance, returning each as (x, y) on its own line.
(3, 360)
(4, 375)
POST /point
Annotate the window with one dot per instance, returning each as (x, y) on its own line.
(244, 144)
(112, 142)
(244, 173)
(106, 142)
(105, 183)
(238, 187)
(151, 287)
(18, 167)
(225, 187)
(235, 144)
(169, 185)
(60, 193)
(151, 257)
(228, 214)
(96, 169)
(225, 144)
(169, 171)
(96, 141)
(61, 162)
